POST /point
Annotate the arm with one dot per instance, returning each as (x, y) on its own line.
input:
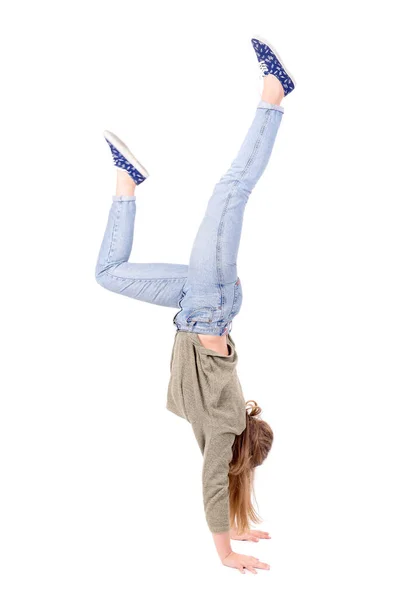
(222, 543)
(217, 456)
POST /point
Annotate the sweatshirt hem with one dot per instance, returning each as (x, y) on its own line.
(219, 529)
(175, 412)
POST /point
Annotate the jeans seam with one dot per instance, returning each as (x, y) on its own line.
(144, 278)
(231, 192)
(113, 234)
(235, 299)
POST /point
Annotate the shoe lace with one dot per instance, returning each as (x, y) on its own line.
(263, 67)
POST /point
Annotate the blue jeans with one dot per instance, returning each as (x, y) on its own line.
(208, 291)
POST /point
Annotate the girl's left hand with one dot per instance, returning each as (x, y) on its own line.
(250, 535)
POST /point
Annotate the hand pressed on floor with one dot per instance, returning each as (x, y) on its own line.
(250, 535)
(243, 562)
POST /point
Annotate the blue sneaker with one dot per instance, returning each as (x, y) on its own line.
(271, 64)
(124, 159)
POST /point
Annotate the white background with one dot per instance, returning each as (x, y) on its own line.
(101, 485)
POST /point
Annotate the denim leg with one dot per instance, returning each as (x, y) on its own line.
(158, 283)
(213, 292)
(215, 250)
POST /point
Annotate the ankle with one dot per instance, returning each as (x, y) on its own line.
(273, 90)
(125, 184)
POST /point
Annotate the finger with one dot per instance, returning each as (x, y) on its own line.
(261, 565)
(241, 569)
(262, 534)
(257, 562)
(251, 569)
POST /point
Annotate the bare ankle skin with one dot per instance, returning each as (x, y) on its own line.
(125, 184)
(273, 90)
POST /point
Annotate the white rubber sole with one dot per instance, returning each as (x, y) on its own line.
(264, 41)
(121, 147)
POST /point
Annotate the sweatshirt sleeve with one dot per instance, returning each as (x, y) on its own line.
(217, 454)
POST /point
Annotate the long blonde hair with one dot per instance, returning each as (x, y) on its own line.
(250, 449)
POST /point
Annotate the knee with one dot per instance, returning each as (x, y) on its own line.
(236, 181)
(100, 275)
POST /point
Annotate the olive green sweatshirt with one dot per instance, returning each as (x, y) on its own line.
(205, 390)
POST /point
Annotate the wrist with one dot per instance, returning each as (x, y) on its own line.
(224, 556)
(222, 544)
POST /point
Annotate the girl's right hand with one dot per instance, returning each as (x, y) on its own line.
(242, 562)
